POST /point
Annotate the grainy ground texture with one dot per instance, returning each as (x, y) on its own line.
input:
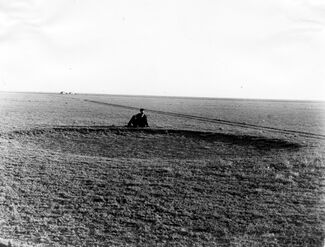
(70, 177)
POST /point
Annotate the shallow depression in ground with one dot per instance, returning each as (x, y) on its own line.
(148, 143)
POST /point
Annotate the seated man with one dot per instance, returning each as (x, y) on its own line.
(139, 120)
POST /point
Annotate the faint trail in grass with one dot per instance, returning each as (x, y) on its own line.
(219, 121)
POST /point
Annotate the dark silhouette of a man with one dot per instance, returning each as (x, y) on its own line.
(139, 120)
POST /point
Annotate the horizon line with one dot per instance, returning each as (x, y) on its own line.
(166, 96)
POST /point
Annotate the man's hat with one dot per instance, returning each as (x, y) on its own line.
(141, 109)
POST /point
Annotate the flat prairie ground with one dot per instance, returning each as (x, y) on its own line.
(71, 175)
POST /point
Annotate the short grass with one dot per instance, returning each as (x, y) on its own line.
(106, 186)
(84, 187)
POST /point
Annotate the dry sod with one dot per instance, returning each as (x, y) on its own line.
(106, 186)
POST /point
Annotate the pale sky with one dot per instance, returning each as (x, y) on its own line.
(207, 48)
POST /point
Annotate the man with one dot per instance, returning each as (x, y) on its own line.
(139, 120)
